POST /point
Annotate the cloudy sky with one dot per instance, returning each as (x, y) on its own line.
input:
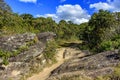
(78, 11)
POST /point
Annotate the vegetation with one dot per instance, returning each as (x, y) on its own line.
(13, 23)
(50, 51)
(5, 55)
(102, 31)
(75, 77)
(114, 76)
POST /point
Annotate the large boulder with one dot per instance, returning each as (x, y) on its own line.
(46, 36)
(90, 66)
(11, 43)
(21, 46)
(25, 54)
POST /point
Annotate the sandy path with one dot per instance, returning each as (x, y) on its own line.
(46, 71)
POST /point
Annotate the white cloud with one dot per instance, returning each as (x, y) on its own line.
(72, 13)
(54, 16)
(113, 5)
(116, 5)
(32, 1)
(101, 5)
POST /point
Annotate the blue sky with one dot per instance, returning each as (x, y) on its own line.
(78, 11)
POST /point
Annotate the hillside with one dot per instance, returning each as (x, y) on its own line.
(50, 47)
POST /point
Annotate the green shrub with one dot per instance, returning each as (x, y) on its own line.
(50, 51)
(106, 77)
(20, 50)
(83, 47)
(117, 71)
(5, 55)
(109, 45)
(116, 74)
(5, 61)
(23, 48)
(106, 45)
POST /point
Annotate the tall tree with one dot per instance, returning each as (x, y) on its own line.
(97, 26)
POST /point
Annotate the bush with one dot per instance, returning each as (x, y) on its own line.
(5, 61)
(109, 45)
(105, 46)
(50, 51)
(5, 55)
(116, 74)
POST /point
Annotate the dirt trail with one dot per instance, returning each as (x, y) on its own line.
(46, 71)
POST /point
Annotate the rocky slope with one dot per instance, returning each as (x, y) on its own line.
(26, 57)
(25, 54)
(63, 54)
(89, 66)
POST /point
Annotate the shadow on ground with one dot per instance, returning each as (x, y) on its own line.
(72, 45)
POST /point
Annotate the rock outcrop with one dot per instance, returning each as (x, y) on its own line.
(89, 66)
(46, 36)
(25, 52)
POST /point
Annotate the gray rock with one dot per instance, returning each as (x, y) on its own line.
(45, 36)
(10, 43)
(27, 60)
(93, 65)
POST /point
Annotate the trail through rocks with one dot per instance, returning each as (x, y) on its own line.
(60, 60)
